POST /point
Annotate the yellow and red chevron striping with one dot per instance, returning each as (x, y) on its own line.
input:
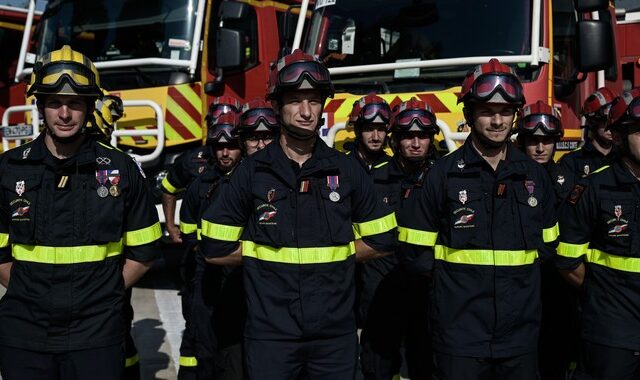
(183, 112)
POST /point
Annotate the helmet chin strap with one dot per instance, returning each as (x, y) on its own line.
(302, 134)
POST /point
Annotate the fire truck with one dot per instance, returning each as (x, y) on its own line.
(12, 25)
(628, 34)
(561, 49)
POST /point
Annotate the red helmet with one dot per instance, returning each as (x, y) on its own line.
(221, 105)
(625, 108)
(539, 119)
(370, 109)
(299, 71)
(598, 104)
(492, 82)
(414, 115)
(224, 129)
(258, 116)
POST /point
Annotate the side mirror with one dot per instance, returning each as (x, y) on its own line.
(563, 88)
(230, 49)
(591, 5)
(233, 10)
(595, 45)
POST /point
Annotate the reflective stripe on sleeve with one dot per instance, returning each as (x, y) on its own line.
(168, 186)
(308, 255)
(221, 231)
(65, 255)
(550, 234)
(417, 237)
(4, 240)
(188, 228)
(376, 226)
(485, 256)
(188, 361)
(143, 236)
(627, 264)
(572, 250)
(131, 361)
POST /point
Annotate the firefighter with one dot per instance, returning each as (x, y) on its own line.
(539, 128)
(295, 205)
(598, 149)
(390, 297)
(190, 165)
(258, 125)
(480, 228)
(597, 252)
(70, 205)
(196, 354)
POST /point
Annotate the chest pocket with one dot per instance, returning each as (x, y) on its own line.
(467, 217)
(22, 196)
(107, 214)
(617, 221)
(270, 213)
(528, 216)
(337, 210)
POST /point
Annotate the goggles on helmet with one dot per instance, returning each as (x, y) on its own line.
(423, 118)
(370, 112)
(295, 73)
(51, 79)
(547, 123)
(487, 85)
(222, 132)
(252, 118)
(218, 110)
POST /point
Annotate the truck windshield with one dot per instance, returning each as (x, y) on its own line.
(364, 32)
(109, 30)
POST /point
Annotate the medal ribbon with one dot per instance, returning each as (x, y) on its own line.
(530, 185)
(114, 177)
(333, 182)
(102, 176)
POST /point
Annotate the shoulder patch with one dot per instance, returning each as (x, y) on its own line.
(576, 194)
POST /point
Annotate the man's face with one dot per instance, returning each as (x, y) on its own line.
(302, 109)
(65, 114)
(634, 140)
(492, 122)
(598, 125)
(373, 136)
(414, 146)
(227, 155)
(539, 148)
(257, 141)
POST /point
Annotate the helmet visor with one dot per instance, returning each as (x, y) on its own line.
(294, 73)
(549, 124)
(370, 112)
(252, 118)
(487, 85)
(633, 110)
(51, 77)
(409, 117)
(220, 109)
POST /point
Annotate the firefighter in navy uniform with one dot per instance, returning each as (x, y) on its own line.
(391, 295)
(598, 149)
(295, 206)
(539, 128)
(599, 253)
(483, 223)
(190, 165)
(218, 307)
(70, 206)
(195, 361)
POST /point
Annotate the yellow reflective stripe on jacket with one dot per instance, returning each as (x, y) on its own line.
(376, 226)
(188, 361)
(65, 255)
(188, 228)
(308, 255)
(572, 250)
(380, 165)
(168, 186)
(627, 264)
(4, 240)
(131, 361)
(221, 231)
(550, 234)
(485, 256)
(417, 237)
(143, 236)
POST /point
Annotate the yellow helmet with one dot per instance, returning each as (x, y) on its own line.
(108, 110)
(65, 72)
